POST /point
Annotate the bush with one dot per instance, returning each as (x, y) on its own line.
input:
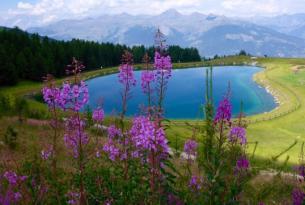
(5, 106)
(37, 114)
(21, 107)
(10, 137)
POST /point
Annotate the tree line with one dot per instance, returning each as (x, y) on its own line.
(25, 56)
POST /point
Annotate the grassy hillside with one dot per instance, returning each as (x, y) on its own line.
(276, 135)
(277, 130)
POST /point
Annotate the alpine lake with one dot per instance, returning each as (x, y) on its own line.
(185, 94)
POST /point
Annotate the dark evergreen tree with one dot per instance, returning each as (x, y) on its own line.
(25, 56)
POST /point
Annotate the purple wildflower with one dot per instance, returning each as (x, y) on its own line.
(97, 154)
(114, 132)
(74, 97)
(51, 95)
(190, 147)
(11, 195)
(195, 183)
(47, 153)
(173, 200)
(238, 134)
(23, 178)
(75, 135)
(223, 113)
(147, 136)
(147, 77)
(113, 146)
(17, 196)
(108, 202)
(300, 170)
(73, 197)
(75, 67)
(242, 164)
(163, 65)
(297, 196)
(126, 75)
(98, 115)
(111, 149)
(163, 68)
(11, 177)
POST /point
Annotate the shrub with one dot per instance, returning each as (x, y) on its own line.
(21, 107)
(10, 137)
(5, 106)
(37, 114)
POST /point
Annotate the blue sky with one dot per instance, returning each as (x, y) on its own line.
(11, 4)
(26, 13)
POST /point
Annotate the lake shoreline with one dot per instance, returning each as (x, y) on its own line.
(256, 100)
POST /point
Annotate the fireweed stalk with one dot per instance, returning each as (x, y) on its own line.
(151, 143)
(98, 118)
(10, 188)
(71, 98)
(222, 119)
(75, 96)
(51, 95)
(163, 69)
(224, 161)
(147, 132)
(193, 179)
(190, 149)
(151, 126)
(147, 78)
(127, 79)
(147, 145)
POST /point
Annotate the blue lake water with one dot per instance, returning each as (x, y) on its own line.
(186, 92)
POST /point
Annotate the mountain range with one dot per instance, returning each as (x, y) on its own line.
(282, 36)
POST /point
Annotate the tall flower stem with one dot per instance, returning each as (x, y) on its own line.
(75, 69)
(81, 162)
(126, 77)
(161, 96)
(208, 140)
(146, 80)
(163, 68)
(55, 135)
(51, 97)
(124, 101)
(80, 148)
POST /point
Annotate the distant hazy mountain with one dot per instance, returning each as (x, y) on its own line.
(289, 24)
(211, 34)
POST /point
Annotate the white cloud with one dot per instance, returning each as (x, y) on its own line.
(252, 7)
(243, 37)
(46, 11)
(22, 5)
(263, 7)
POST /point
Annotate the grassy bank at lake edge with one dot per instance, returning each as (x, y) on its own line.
(277, 130)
